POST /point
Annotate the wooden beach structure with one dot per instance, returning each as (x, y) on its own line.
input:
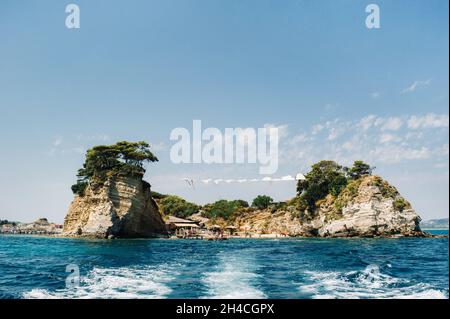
(183, 228)
(231, 230)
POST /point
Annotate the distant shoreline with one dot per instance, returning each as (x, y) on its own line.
(264, 236)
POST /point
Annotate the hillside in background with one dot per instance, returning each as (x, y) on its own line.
(441, 223)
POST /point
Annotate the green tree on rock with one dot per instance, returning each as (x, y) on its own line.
(328, 177)
(221, 209)
(120, 159)
(178, 207)
(324, 178)
(359, 170)
(241, 203)
(262, 201)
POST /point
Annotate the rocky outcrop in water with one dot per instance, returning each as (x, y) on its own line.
(368, 207)
(121, 207)
(375, 208)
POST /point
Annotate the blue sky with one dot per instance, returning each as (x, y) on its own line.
(137, 69)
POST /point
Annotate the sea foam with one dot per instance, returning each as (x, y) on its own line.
(122, 282)
(233, 277)
(367, 283)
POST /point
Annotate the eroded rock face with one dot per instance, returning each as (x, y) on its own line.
(264, 221)
(122, 207)
(370, 211)
(373, 212)
(374, 217)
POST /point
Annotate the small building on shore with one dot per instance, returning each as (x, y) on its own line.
(182, 228)
(231, 230)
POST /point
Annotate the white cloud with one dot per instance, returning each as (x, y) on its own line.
(336, 128)
(387, 138)
(375, 95)
(430, 120)
(367, 122)
(394, 154)
(392, 124)
(375, 139)
(416, 135)
(299, 138)
(94, 137)
(370, 138)
(282, 129)
(286, 178)
(386, 124)
(416, 85)
(58, 140)
(333, 134)
(317, 128)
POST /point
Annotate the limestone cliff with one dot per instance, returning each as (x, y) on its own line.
(367, 207)
(373, 208)
(120, 207)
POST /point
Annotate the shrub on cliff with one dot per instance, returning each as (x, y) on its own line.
(262, 202)
(156, 195)
(241, 203)
(104, 161)
(359, 170)
(400, 204)
(79, 187)
(178, 207)
(223, 208)
(387, 190)
(346, 195)
(328, 177)
(338, 184)
(324, 178)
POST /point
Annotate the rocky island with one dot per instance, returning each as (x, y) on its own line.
(368, 207)
(113, 201)
(331, 201)
(111, 198)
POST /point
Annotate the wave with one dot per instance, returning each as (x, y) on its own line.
(367, 283)
(122, 282)
(234, 278)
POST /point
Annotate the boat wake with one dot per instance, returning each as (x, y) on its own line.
(367, 283)
(234, 277)
(122, 282)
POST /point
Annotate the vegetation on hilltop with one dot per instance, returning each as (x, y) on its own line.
(328, 177)
(359, 170)
(177, 206)
(327, 182)
(7, 222)
(262, 202)
(104, 161)
(223, 208)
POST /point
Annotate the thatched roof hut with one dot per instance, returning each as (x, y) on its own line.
(176, 222)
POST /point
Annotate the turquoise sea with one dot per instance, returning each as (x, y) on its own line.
(35, 267)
